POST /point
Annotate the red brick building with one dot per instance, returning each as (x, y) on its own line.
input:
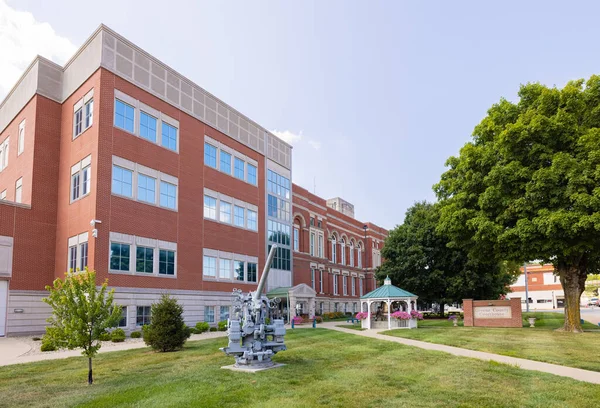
(119, 163)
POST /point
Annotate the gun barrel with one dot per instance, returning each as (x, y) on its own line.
(263, 278)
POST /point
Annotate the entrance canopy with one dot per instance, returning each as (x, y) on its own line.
(386, 295)
(299, 299)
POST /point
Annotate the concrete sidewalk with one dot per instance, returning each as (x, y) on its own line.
(13, 350)
(574, 373)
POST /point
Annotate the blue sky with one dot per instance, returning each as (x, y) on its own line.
(374, 96)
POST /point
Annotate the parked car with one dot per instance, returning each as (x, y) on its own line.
(593, 302)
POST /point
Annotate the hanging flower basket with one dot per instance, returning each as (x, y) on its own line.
(401, 315)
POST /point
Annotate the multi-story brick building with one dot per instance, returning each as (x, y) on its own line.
(119, 163)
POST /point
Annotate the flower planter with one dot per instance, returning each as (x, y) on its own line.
(455, 323)
(531, 321)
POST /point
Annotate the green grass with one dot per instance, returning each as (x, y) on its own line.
(351, 326)
(542, 343)
(324, 368)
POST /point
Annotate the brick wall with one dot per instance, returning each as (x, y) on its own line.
(515, 320)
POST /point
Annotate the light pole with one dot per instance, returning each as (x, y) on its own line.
(526, 288)
(365, 250)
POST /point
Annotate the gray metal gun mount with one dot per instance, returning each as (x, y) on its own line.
(254, 334)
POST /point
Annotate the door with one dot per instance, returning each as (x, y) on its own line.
(3, 306)
(560, 302)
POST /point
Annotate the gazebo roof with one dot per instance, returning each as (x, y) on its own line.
(388, 291)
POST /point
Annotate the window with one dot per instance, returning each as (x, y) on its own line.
(251, 220)
(83, 255)
(225, 163)
(360, 286)
(335, 307)
(320, 308)
(209, 314)
(252, 274)
(225, 212)
(123, 320)
(320, 247)
(143, 315)
(359, 256)
(122, 181)
(146, 189)
(321, 280)
(87, 179)
(19, 190)
(238, 270)
(73, 258)
(168, 195)
(251, 173)
(75, 186)
(353, 281)
(78, 120)
(148, 127)
(335, 284)
(166, 262)
(89, 113)
(124, 116)
(119, 256)
(278, 184)
(351, 254)
(312, 222)
(278, 233)
(210, 155)
(345, 285)
(225, 268)
(4, 153)
(296, 239)
(238, 216)
(224, 313)
(21, 139)
(333, 250)
(144, 259)
(312, 278)
(3, 195)
(80, 180)
(209, 266)
(312, 244)
(169, 136)
(210, 207)
(239, 168)
(320, 224)
(343, 252)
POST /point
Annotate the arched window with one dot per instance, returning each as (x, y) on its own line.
(296, 237)
(351, 253)
(359, 254)
(333, 249)
(343, 251)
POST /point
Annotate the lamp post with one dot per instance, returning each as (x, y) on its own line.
(526, 288)
(365, 250)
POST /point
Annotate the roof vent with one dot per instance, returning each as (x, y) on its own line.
(387, 281)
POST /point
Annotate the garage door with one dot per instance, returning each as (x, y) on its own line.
(3, 306)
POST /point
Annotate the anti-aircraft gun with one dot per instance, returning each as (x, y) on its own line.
(255, 335)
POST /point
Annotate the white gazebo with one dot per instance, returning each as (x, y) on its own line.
(388, 299)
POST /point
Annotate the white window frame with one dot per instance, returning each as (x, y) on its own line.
(235, 155)
(231, 259)
(296, 238)
(360, 286)
(353, 283)
(359, 256)
(220, 199)
(134, 241)
(126, 317)
(3, 195)
(342, 251)
(333, 249)
(321, 239)
(19, 190)
(312, 278)
(345, 285)
(4, 153)
(21, 138)
(83, 105)
(76, 242)
(321, 280)
(312, 244)
(335, 285)
(351, 254)
(206, 309)
(82, 170)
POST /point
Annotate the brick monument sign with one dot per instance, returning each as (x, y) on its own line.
(493, 313)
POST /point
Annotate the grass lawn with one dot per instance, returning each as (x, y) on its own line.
(541, 343)
(351, 326)
(324, 368)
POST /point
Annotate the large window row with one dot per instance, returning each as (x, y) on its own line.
(148, 123)
(278, 233)
(282, 259)
(142, 256)
(278, 184)
(224, 266)
(143, 184)
(227, 210)
(278, 208)
(229, 161)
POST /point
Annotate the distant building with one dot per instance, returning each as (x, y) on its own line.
(342, 206)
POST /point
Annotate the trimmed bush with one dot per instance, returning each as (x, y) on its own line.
(117, 336)
(193, 330)
(167, 331)
(36, 338)
(47, 344)
(104, 336)
(222, 326)
(135, 335)
(213, 329)
(202, 327)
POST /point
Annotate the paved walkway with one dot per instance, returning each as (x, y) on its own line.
(575, 373)
(13, 350)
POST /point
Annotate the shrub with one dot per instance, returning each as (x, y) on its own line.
(222, 326)
(47, 344)
(36, 338)
(297, 319)
(117, 336)
(193, 330)
(167, 331)
(136, 335)
(319, 319)
(202, 327)
(104, 336)
(213, 329)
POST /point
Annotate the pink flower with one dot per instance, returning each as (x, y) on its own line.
(416, 315)
(362, 315)
(401, 315)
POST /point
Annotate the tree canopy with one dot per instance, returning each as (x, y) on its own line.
(418, 259)
(527, 187)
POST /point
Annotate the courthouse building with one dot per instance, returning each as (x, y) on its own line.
(118, 163)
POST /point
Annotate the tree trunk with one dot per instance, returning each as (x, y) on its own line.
(90, 379)
(572, 279)
(442, 304)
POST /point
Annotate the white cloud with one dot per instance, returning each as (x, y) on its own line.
(287, 135)
(22, 37)
(315, 145)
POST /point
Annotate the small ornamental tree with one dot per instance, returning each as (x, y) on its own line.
(167, 331)
(81, 313)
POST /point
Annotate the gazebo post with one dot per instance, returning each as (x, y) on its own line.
(369, 314)
(389, 304)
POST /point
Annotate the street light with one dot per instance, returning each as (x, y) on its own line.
(365, 250)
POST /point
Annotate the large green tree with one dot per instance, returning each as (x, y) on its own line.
(418, 259)
(527, 187)
(81, 313)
